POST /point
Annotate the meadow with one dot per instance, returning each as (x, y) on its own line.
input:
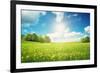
(44, 52)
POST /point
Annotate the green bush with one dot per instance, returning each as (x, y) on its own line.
(85, 39)
(28, 37)
(36, 38)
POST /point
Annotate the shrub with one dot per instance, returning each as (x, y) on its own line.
(85, 39)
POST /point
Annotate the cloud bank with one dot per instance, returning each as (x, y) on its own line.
(87, 29)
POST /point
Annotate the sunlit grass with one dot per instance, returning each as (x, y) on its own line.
(41, 52)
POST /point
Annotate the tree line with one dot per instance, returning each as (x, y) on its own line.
(39, 38)
(85, 39)
(35, 38)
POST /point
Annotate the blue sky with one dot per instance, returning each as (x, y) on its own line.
(59, 26)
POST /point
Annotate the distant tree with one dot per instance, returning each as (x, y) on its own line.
(35, 37)
(28, 37)
(41, 39)
(47, 39)
(22, 37)
(85, 39)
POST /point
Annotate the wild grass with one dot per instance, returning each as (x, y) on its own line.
(43, 52)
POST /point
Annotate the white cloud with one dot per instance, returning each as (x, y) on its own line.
(73, 34)
(65, 36)
(31, 16)
(87, 29)
(59, 16)
(72, 15)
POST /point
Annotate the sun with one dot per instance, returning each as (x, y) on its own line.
(60, 28)
(59, 32)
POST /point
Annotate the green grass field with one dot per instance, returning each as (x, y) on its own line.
(41, 52)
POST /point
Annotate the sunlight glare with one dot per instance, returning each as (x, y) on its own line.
(59, 28)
